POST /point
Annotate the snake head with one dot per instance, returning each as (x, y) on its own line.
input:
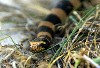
(37, 46)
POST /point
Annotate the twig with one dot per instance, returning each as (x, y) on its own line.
(14, 64)
(91, 61)
(6, 57)
(28, 59)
